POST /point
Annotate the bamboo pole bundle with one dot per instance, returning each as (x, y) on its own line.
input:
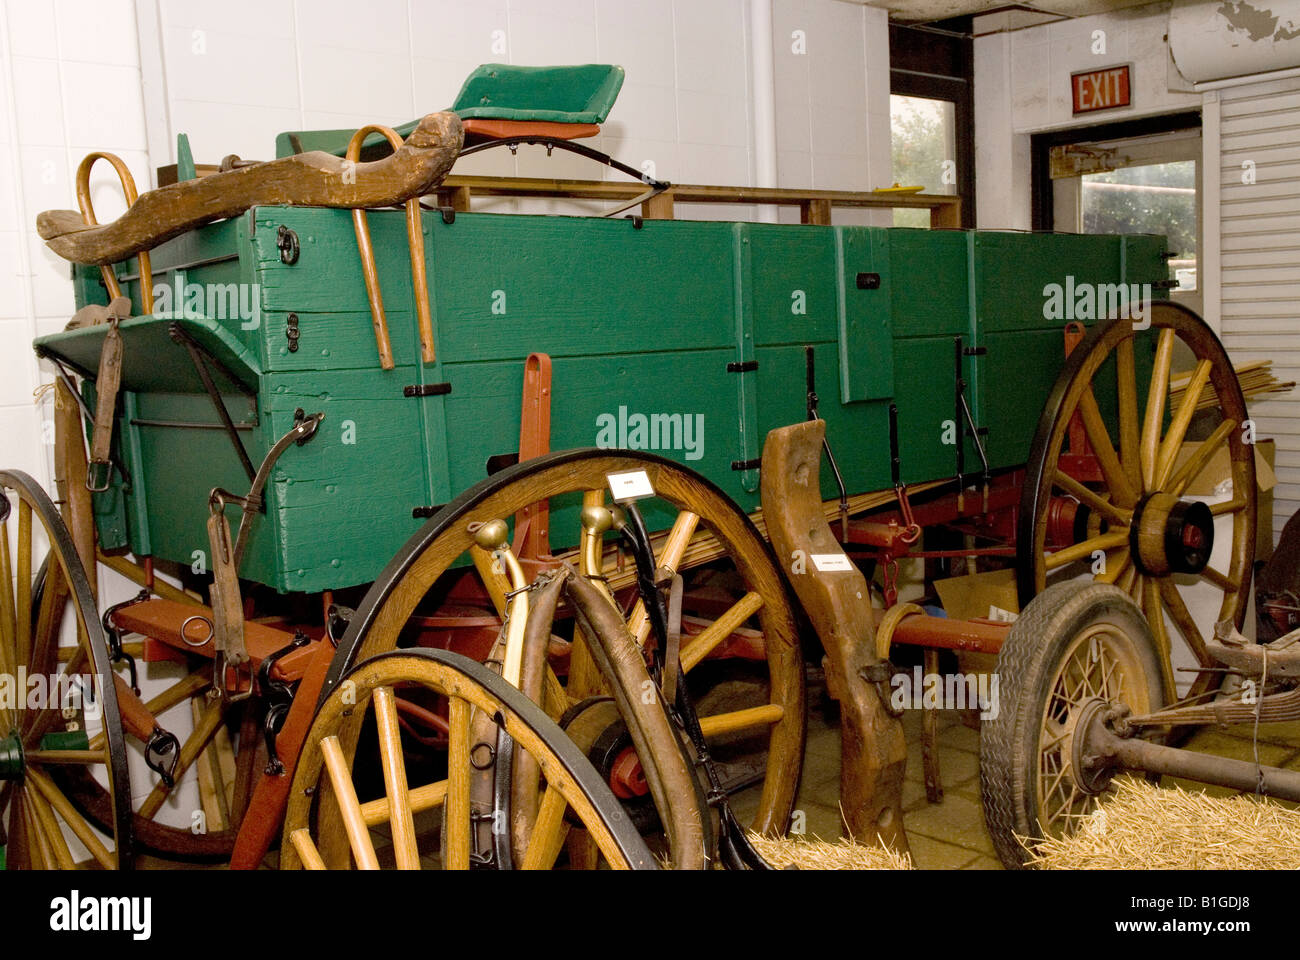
(1256, 378)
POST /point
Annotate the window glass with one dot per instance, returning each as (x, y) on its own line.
(1152, 198)
(924, 147)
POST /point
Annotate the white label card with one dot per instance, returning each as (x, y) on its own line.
(629, 486)
(832, 562)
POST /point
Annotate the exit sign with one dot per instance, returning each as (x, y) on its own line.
(1103, 89)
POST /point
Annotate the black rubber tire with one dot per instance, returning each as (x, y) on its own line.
(1027, 667)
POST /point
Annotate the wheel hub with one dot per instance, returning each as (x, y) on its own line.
(11, 757)
(1091, 771)
(1169, 535)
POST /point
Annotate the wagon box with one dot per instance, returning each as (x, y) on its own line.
(703, 322)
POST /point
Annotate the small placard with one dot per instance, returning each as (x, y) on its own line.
(831, 562)
(999, 615)
(632, 485)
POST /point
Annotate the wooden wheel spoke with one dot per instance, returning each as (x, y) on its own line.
(49, 825)
(76, 823)
(23, 601)
(1183, 621)
(1126, 391)
(1091, 499)
(704, 642)
(549, 831)
(1085, 548)
(1197, 461)
(1157, 395)
(1221, 580)
(302, 842)
(1173, 440)
(1116, 568)
(1234, 505)
(345, 795)
(427, 797)
(8, 624)
(750, 717)
(1099, 438)
(456, 839)
(390, 752)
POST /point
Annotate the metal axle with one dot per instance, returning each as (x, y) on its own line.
(1099, 753)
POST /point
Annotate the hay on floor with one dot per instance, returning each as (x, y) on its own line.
(1145, 827)
(814, 854)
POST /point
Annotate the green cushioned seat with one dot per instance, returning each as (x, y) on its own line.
(495, 91)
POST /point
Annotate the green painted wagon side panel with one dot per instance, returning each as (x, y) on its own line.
(792, 296)
(923, 376)
(339, 507)
(508, 285)
(1012, 271)
(865, 331)
(781, 401)
(931, 289)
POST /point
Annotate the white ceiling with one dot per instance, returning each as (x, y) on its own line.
(913, 10)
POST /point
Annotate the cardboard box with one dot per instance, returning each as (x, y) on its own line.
(986, 596)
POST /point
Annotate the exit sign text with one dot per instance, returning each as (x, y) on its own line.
(1101, 89)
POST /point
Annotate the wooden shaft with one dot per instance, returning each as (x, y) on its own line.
(1190, 470)
(1129, 433)
(73, 819)
(178, 692)
(1173, 440)
(1077, 551)
(1123, 493)
(345, 795)
(1094, 501)
(548, 832)
(88, 215)
(400, 818)
(53, 832)
(23, 608)
(420, 279)
(371, 276)
(762, 716)
(707, 639)
(456, 839)
(1157, 393)
(307, 851)
(427, 797)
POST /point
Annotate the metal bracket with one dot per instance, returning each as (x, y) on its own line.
(286, 241)
(426, 390)
(742, 366)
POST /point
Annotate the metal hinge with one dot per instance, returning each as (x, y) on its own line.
(426, 389)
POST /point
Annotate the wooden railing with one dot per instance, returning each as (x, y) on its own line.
(815, 206)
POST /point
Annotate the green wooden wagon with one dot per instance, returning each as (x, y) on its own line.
(937, 359)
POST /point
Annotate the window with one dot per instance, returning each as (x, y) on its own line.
(924, 146)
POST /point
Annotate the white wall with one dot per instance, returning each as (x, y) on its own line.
(1022, 83)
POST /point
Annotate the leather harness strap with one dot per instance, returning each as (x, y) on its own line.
(99, 471)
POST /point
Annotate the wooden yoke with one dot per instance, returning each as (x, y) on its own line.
(873, 752)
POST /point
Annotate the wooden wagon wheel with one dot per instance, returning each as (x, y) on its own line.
(1132, 511)
(1074, 642)
(87, 794)
(44, 743)
(324, 776)
(573, 478)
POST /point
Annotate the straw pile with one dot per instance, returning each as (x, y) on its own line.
(814, 854)
(1256, 380)
(1147, 827)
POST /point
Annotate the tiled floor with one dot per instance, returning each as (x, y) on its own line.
(951, 834)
